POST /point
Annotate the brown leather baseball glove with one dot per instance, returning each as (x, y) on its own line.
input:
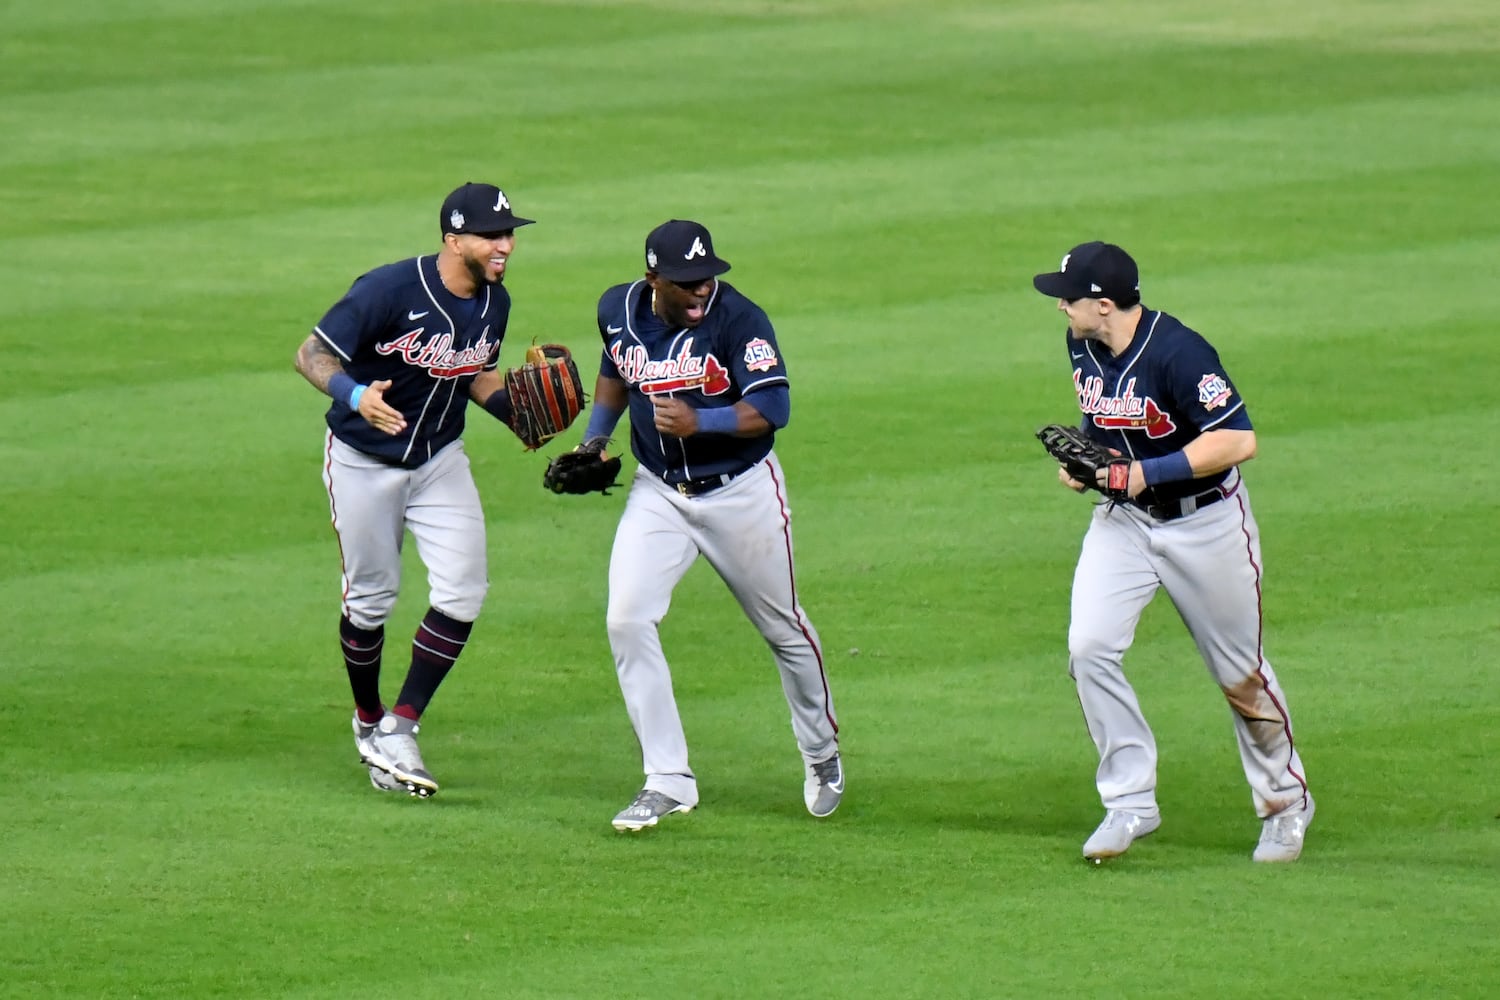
(546, 394)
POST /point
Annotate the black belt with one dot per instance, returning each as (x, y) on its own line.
(1173, 509)
(394, 463)
(698, 487)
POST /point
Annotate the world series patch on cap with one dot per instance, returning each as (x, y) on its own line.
(482, 209)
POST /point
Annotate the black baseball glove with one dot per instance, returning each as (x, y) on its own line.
(585, 469)
(1083, 457)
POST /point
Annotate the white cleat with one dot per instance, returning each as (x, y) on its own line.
(1118, 831)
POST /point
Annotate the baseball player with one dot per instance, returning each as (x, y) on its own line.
(401, 354)
(1155, 391)
(699, 368)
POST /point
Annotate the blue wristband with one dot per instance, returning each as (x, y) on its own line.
(500, 407)
(718, 420)
(354, 395)
(1166, 469)
(342, 387)
(602, 422)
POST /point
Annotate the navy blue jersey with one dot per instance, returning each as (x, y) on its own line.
(729, 356)
(1168, 387)
(399, 322)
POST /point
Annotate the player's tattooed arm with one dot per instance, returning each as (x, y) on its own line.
(317, 363)
(320, 366)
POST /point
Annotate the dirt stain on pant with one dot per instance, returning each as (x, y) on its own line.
(1254, 704)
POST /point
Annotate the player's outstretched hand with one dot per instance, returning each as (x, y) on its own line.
(377, 412)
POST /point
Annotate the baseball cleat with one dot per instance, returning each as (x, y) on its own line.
(364, 738)
(382, 781)
(647, 809)
(1115, 835)
(396, 753)
(1281, 835)
(364, 745)
(823, 788)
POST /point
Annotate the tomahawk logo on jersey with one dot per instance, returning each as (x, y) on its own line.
(399, 322)
(1164, 390)
(726, 358)
(1123, 411)
(683, 371)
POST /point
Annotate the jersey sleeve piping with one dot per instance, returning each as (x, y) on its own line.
(1225, 416)
(763, 383)
(629, 309)
(331, 345)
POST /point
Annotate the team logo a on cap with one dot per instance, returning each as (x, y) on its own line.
(478, 209)
(1063, 269)
(502, 206)
(1094, 269)
(681, 250)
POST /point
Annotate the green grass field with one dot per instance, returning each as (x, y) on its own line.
(185, 186)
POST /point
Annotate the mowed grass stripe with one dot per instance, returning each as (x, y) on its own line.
(212, 107)
(1206, 155)
(892, 57)
(39, 277)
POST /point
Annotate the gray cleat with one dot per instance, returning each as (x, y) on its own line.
(823, 788)
(396, 754)
(649, 807)
(1281, 835)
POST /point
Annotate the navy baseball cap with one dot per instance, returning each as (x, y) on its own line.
(479, 208)
(683, 251)
(1093, 271)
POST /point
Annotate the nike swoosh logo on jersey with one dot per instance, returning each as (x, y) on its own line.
(1076, 357)
(614, 329)
(417, 315)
